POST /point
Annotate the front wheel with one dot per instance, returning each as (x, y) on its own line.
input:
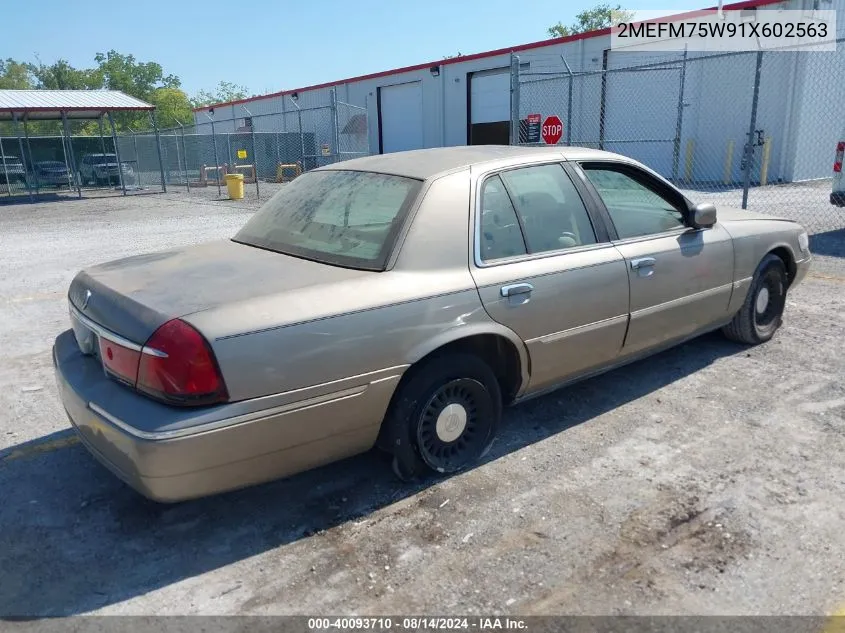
(761, 313)
(445, 417)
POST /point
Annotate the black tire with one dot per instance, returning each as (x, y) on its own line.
(761, 313)
(420, 438)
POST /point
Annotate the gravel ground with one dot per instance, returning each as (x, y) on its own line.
(706, 480)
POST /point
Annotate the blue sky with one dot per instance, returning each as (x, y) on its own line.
(269, 45)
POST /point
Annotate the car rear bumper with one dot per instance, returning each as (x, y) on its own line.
(174, 464)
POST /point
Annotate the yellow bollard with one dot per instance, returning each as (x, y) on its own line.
(764, 163)
(688, 161)
(835, 622)
(729, 159)
(235, 186)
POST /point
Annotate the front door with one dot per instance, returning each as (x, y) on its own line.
(681, 278)
(544, 271)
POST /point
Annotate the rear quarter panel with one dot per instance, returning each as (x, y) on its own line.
(362, 327)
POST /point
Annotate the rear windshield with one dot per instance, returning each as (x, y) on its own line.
(102, 159)
(345, 218)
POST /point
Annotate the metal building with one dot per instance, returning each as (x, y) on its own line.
(685, 116)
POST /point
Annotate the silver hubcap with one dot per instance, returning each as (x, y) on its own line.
(762, 300)
(451, 423)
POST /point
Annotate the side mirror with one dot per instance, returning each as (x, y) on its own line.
(703, 215)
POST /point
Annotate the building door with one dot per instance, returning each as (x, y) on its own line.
(400, 117)
(489, 107)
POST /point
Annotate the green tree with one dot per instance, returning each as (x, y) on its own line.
(15, 75)
(172, 105)
(600, 16)
(225, 91)
(60, 75)
(139, 79)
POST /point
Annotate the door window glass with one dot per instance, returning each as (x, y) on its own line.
(552, 212)
(635, 209)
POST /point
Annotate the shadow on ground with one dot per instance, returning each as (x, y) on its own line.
(73, 538)
(22, 197)
(831, 243)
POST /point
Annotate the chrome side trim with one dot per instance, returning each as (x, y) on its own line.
(740, 282)
(102, 332)
(683, 300)
(219, 424)
(581, 329)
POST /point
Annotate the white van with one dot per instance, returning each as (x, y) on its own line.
(837, 196)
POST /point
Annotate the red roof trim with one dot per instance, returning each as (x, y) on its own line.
(746, 4)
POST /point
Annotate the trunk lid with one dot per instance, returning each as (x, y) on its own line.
(134, 296)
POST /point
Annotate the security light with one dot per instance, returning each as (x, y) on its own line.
(435, 71)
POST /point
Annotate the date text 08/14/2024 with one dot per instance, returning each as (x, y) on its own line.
(416, 624)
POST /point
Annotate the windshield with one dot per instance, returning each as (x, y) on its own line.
(347, 218)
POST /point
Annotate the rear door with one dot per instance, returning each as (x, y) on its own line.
(545, 268)
(681, 278)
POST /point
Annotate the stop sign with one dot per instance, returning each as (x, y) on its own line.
(552, 130)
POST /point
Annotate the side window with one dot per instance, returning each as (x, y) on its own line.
(500, 232)
(552, 212)
(635, 209)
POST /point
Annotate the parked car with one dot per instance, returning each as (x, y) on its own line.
(401, 301)
(102, 169)
(52, 172)
(837, 195)
(12, 170)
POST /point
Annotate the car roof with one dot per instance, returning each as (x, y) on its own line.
(428, 163)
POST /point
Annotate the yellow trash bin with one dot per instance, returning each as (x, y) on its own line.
(235, 185)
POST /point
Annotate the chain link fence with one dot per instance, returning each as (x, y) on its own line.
(96, 161)
(756, 130)
(268, 149)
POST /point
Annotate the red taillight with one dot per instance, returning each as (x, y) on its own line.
(178, 366)
(120, 361)
(840, 154)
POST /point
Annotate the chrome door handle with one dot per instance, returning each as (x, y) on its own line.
(516, 289)
(642, 262)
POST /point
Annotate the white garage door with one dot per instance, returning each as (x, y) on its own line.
(490, 107)
(401, 117)
(490, 96)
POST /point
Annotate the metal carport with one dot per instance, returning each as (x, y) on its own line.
(22, 106)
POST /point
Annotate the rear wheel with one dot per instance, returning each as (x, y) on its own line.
(762, 312)
(445, 417)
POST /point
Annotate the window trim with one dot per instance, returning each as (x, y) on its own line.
(647, 180)
(603, 237)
